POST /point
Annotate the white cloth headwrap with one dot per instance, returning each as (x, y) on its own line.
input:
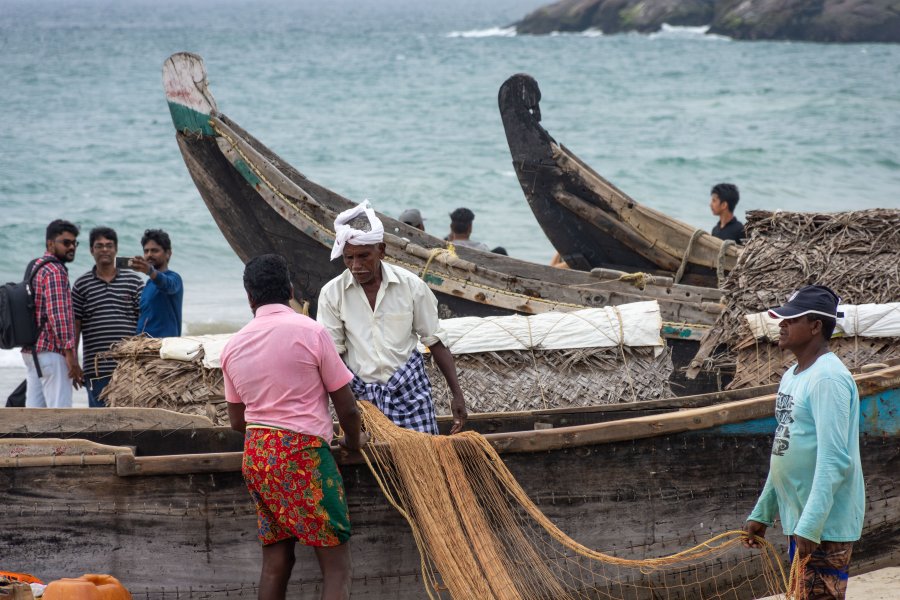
(344, 234)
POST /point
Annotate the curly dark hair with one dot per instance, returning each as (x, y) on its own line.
(159, 236)
(267, 279)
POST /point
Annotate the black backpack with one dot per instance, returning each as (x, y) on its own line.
(18, 326)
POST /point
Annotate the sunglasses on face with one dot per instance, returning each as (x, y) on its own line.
(67, 243)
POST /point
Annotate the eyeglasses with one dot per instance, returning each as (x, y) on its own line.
(67, 243)
(108, 246)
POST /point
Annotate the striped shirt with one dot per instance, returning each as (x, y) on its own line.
(53, 307)
(108, 313)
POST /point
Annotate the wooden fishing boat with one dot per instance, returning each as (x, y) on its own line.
(162, 505)
(590, 222)
(262, 205)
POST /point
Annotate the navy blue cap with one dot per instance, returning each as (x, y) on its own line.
(809, 300)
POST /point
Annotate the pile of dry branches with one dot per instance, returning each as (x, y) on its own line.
(515, 380)
(855, 253)
(491, 381)
(143, 379)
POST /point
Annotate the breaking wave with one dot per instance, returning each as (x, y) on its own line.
(483, 33)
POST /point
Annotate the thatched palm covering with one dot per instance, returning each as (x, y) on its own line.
(143, 379)
(525, 380)
(855, 253)
(492, 381)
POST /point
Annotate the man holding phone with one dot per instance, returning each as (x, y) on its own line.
(106, 303)
(164, 292)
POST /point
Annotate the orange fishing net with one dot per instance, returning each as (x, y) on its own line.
(479, 535)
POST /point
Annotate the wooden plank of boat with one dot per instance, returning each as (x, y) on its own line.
(635, 498)
(264, 205)
(587, 219)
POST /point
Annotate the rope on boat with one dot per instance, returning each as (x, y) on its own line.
(720, 261)
(687, 254)
(638, 280)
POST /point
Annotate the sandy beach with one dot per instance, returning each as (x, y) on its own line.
(883, 584)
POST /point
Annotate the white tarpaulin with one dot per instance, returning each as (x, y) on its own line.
(186, 348)
(863, 320)
(636, 325)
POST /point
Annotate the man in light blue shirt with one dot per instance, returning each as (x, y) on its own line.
(815, 481)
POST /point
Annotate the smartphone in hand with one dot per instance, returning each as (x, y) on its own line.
(123, 262)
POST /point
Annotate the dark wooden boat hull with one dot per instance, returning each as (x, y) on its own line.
(624, 488)
(262, 204)
(580, 219)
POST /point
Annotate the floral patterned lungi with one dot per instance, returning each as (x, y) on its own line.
(297, 488)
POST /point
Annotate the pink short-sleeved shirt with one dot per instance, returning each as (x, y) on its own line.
(281, 366)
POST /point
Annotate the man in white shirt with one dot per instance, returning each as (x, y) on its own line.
(376, 313)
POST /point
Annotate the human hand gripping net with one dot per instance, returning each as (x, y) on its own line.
(480, 536)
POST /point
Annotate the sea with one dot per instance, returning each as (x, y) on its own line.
(396, 101)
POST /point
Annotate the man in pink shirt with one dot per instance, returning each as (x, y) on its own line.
(280, 370)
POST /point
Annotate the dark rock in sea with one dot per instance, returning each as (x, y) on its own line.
(616, 16)
(809, 20)
(804, 20)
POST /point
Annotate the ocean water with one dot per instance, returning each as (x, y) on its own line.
(395, 100)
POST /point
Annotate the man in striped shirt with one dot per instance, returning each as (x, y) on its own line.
(106, 302)
(56, 346)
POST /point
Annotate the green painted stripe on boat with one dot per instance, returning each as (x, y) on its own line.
(247, 173)
(189, 120)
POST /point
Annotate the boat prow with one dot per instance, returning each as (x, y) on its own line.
(590, 222)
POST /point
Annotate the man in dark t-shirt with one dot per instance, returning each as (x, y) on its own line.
(723, 199)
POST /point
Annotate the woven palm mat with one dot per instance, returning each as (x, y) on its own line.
(761, 362)
(143, 379)
(856, 253)
(517, 380)
(491, 381)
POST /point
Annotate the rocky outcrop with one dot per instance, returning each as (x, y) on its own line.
(616, 16)
(807, 20)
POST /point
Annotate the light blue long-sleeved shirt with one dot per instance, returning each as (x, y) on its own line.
(815, 478)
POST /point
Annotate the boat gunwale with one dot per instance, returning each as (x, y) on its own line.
(531, 441)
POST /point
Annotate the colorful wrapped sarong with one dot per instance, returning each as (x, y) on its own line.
(297, 488)
(406, 397)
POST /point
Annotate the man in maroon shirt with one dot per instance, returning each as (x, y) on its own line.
(55, 348)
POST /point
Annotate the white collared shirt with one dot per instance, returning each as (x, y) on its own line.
(374, 344)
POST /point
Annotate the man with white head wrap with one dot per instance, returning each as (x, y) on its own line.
(376, 313)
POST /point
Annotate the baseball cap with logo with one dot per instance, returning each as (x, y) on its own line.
(810, 300)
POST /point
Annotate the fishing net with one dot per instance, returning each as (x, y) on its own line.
(479, 535)
(856, 253)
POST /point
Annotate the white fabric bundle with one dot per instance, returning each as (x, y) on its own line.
(635, 325)
(344, 234)
(863, 320)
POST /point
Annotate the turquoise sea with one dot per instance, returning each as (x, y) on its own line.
(395, 100)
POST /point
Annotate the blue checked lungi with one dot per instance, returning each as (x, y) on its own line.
(406, 397)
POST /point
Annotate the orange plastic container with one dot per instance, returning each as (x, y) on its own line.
(87, 587)
(23, 577)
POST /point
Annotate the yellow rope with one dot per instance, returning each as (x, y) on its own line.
(638, 280)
